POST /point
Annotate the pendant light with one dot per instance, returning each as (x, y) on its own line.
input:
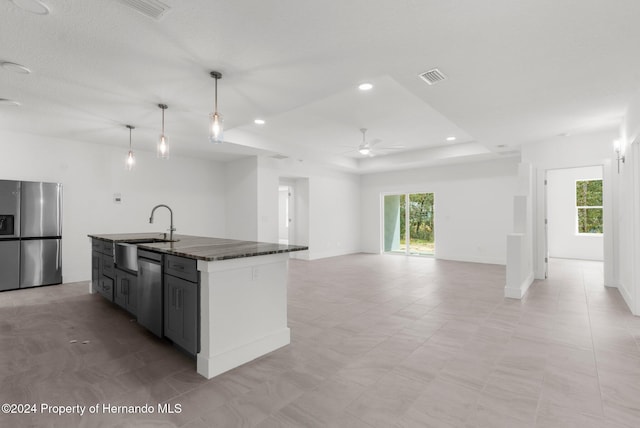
(162, 149)
(215, 120)
(131, 159)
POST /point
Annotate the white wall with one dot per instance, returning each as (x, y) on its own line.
(627, 212)
(569, 152)
(564, 240)
(300, 235)
(267, 202)
(473, 207)
(91, 174)
(241, 178)
(283, 213)
(327, 200)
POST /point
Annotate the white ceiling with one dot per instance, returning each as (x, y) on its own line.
(517, 72)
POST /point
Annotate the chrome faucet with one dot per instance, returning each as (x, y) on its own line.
(171, 228)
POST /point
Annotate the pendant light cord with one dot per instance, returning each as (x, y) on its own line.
(216, 97)
(130, 128)
(216, 75)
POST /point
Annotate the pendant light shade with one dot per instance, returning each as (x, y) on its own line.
(215, 119)
(131, 159)
(162, 149)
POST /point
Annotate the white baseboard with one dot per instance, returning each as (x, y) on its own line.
(473, 259)
(299, 255)
(627, 298)
(521, 290)
(315, 255)
(225, 361)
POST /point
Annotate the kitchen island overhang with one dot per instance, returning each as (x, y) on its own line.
(243, 295)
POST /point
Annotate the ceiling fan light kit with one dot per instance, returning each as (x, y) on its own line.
(365, 148)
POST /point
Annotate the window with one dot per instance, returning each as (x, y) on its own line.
(589, 206)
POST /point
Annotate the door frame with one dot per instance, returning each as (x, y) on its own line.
(541, 249)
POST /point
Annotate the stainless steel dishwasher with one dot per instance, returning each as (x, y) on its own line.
(150, 293)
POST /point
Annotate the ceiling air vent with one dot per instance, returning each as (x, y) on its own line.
(279, 157)
(151, 8)
(432, 76)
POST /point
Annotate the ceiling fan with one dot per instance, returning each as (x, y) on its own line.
(367, 147)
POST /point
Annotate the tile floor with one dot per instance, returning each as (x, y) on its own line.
(377, 341)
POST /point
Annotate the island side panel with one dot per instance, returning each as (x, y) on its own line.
(243, 310)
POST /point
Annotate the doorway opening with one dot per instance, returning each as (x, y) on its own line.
(409, 224)
(574, 203)
(285, 213)
(293, 213)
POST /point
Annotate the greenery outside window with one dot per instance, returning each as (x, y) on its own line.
(589, 206)
(409, 223)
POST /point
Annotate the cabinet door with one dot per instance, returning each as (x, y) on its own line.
(119, 292)
(107, 266)
(95, 271)
(106, 288)
(181, 313)
(125, 291)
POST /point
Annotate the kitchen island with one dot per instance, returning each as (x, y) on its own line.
(242, 297)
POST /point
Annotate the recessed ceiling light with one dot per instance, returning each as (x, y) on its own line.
(16, 68)
(8, 102)
(365, 86)
(259, 121)
(32, 6)
(452, 138)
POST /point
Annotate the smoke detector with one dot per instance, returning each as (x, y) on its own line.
(151, 8)
(432, 76)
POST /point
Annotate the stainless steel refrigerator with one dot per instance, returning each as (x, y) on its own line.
(30, 234)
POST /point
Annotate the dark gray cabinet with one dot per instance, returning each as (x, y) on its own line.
(164, 296)
(95, 270)
(181, 303)
(181, 267)
(125, 293)
(106, 288)
(102, 269)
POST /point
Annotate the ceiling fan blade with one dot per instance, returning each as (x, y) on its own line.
(351, 150)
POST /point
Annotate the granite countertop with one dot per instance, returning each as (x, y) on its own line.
(200, 247)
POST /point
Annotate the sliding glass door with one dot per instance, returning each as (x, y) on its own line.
(409, 224)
